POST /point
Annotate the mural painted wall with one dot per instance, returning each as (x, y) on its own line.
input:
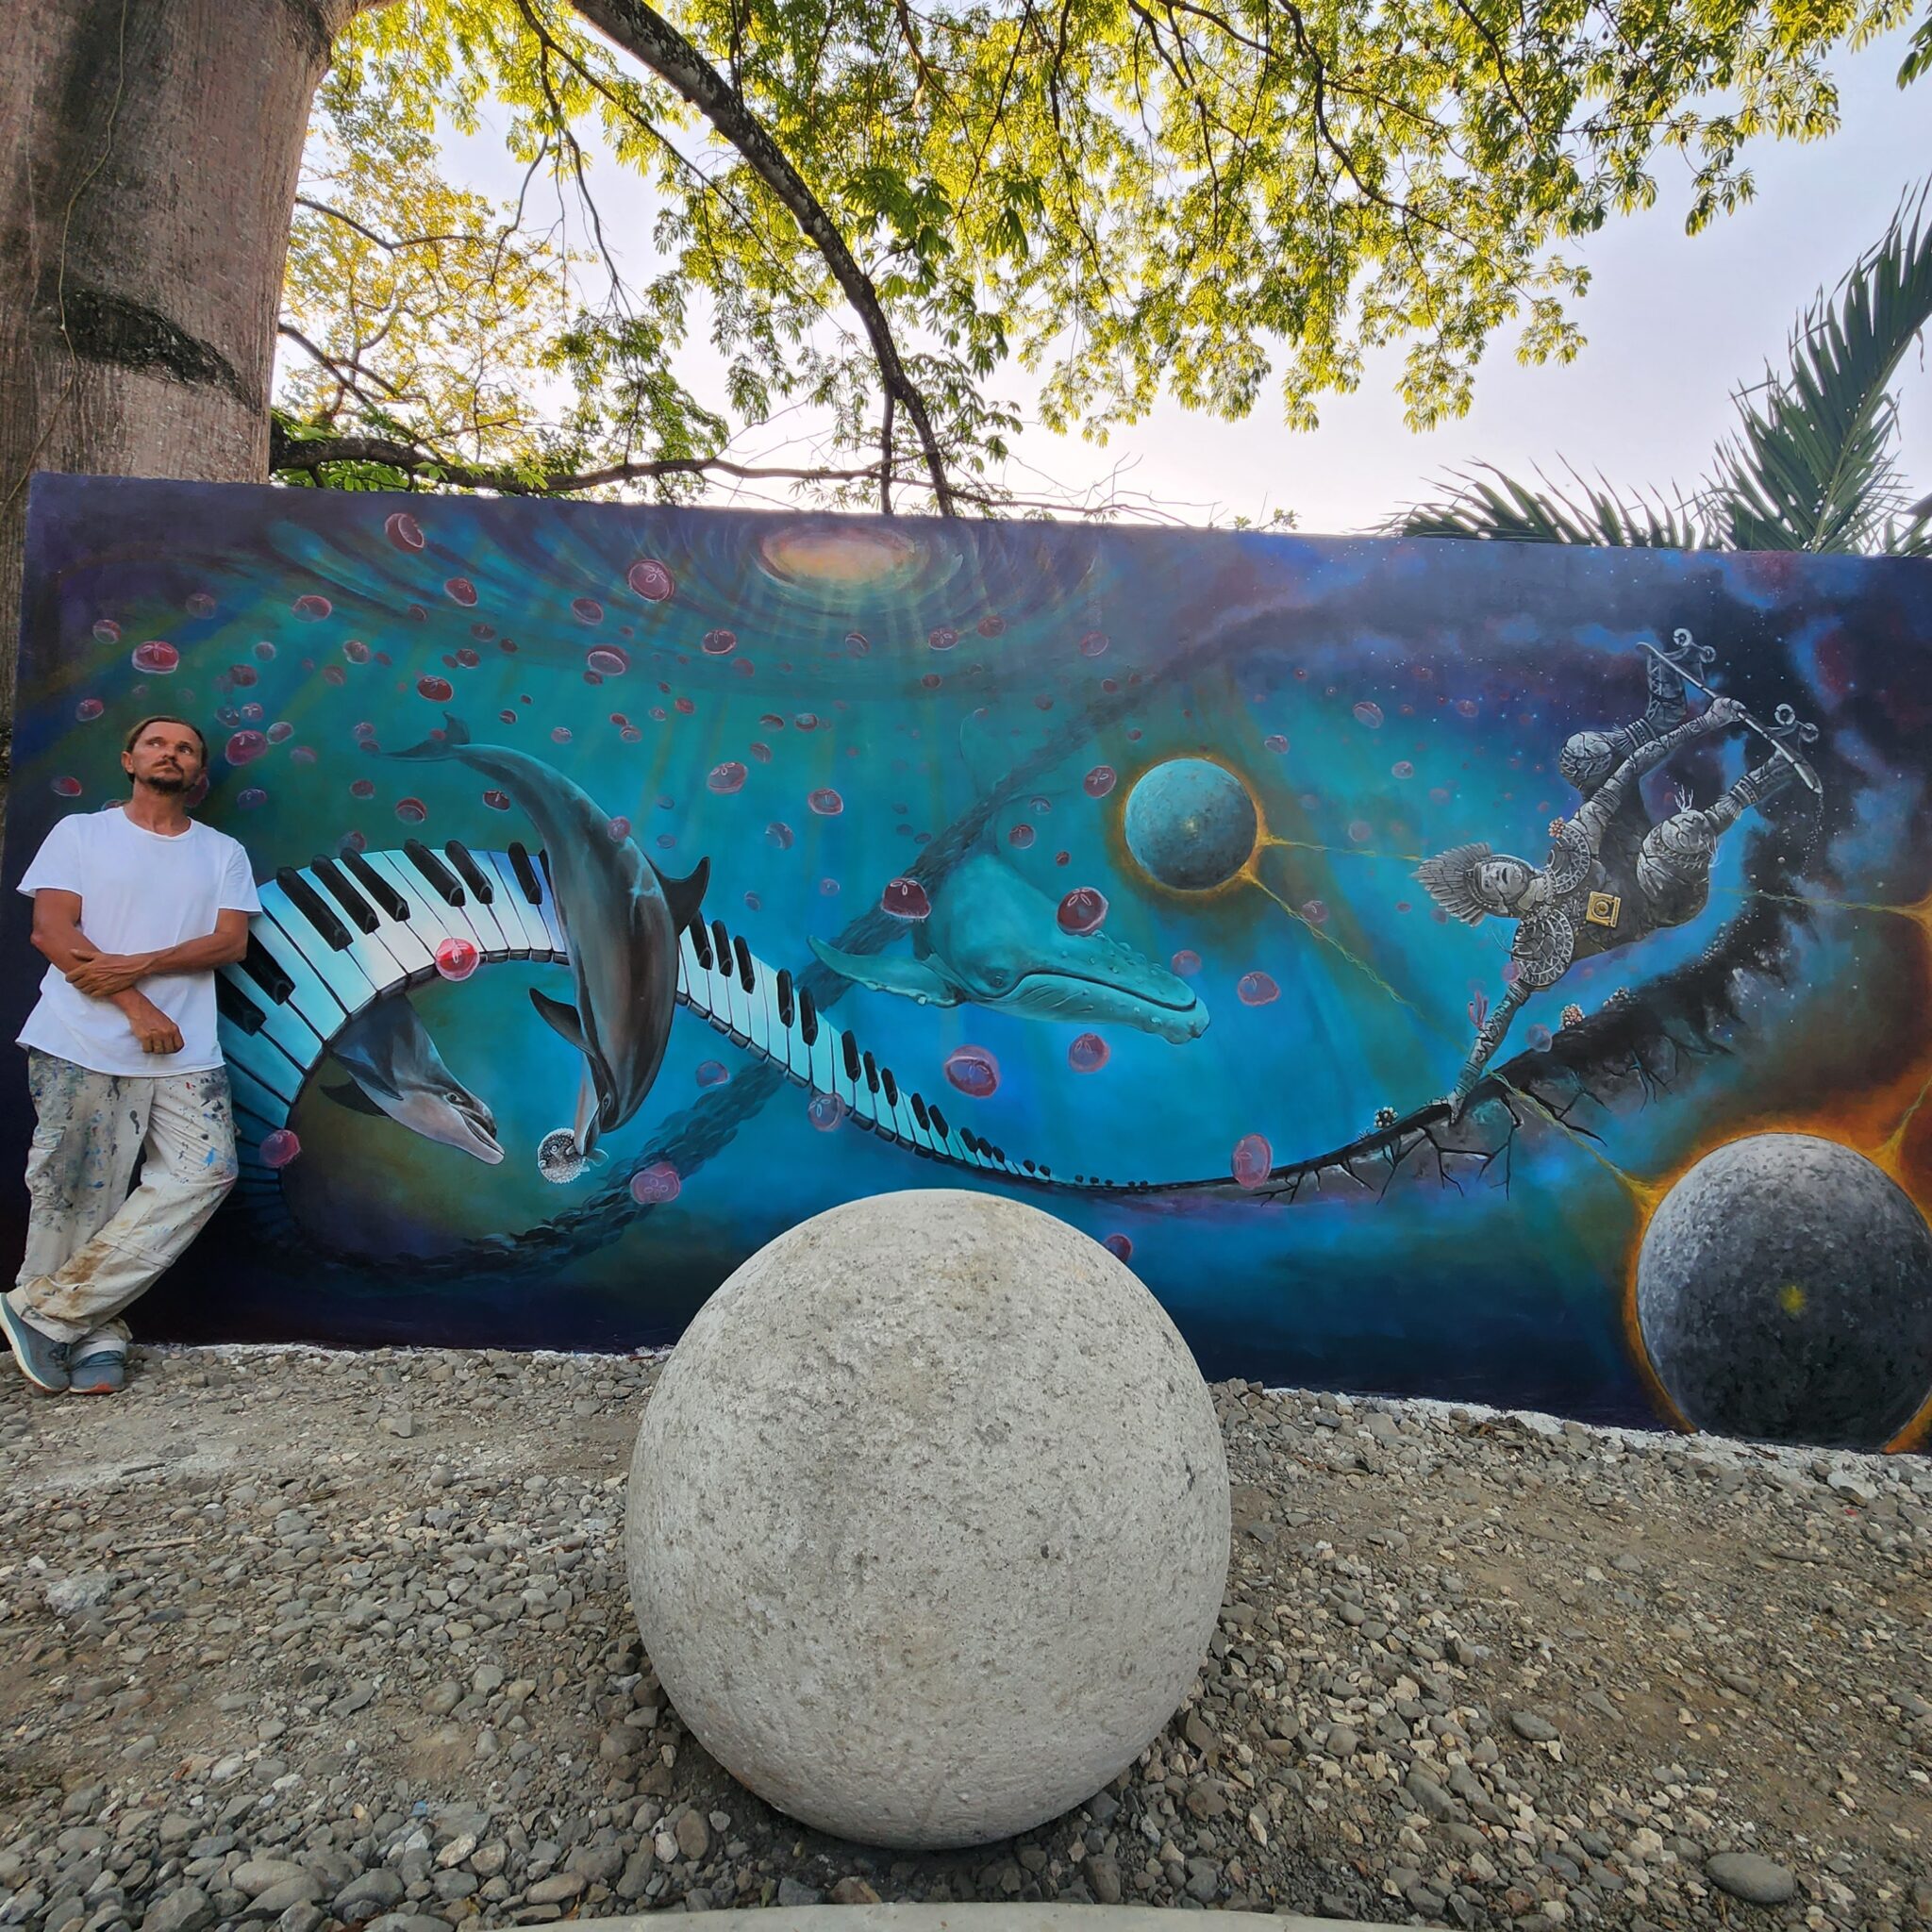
(641, 882)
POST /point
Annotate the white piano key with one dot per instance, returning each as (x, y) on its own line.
(691, 982)
(546, 910)
(405, 948)
(299, 1041)
(909, 1128)
(262, 1060)
(252, 1097)
(339, 971)
(745, 1006)
(310, 997)
(720, 977)
(763, 1002)
(823, 1058)
(488, 928)
(430, 921)
(513, 912)
(386, 971)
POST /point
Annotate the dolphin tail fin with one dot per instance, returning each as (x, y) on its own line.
(455, 733)
(350, 1096)
(562, 1019)
(913, 978)
(685, 896)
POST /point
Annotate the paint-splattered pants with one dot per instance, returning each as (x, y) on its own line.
(92, 1246)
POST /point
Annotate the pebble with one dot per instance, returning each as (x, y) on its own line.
(1750, 1876)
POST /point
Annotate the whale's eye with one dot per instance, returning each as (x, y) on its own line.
(998, 977)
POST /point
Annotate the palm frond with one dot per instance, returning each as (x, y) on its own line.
(1811, 466)
(1486, 503)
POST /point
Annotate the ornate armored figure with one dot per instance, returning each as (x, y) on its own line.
(1614, 877)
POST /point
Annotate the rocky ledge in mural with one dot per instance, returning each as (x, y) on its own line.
(641, 882)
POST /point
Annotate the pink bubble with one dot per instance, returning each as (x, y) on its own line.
(724, 778)
(243, 675)
(439, 690)
(1402, 769)
(1020, 835)
(89, 709)
(630, 734)
(243, 747)
(1251, 1161)
(252, 798)
(826, 802)
(618, 829)
(712, 1074)
(1186, 962)
(760, 751)
(941, 638)
(905, 899)
(653, 1186)
(157, 658)
(300, 755)
(769, 721)
(1094, 643)
(719, 643)
(460, 591)
(335, 674)
(66, 788)
(1275, 743)
(779, 834)
(354, 841)
(1361, 831)
(1256, 990)
(278, 1148)
(362, 787)
(1088, 1054)
(932, 681)
(106, 631)
(828, 889)
(753, 902)
(252, 712)
(559, 734)
(457, 958)
(807, 721)
(607, 660)
(1467, 707)
(403, 530)
(1119, 1246)
(355, 650)
(1099, 781)
(265, 651)
(468, 658)
(1082, 911)
(311, 609)
(281, 731)
(825, 1112)
(587, 610)
(685, 705)
(1315, 911)
(650, 580)
(973, 1071)
(412, 811)
(1369, 713)
(496, 801)
(858, 644)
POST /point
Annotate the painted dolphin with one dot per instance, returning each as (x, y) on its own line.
(621, 917)
(993, 940)
(389, 1055)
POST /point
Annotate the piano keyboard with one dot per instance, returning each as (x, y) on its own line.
(337, 935)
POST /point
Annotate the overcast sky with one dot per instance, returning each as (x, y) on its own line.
(1675, 324)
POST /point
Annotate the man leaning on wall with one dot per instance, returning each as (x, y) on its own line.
(134, 907)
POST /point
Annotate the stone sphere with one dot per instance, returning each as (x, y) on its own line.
(927, 1528)
(1190, 823)
(1784, 1292)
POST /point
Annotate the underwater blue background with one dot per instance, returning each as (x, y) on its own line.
(960, 687)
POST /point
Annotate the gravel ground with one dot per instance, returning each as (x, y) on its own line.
(315, 1639)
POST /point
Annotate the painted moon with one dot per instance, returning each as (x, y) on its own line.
(1784, 1292)
(1190, 824)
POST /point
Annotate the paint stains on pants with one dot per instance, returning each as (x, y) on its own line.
(93, 1248)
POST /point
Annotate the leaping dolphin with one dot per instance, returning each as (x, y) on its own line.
(991, 940)
(389, 1055)
(621, 917)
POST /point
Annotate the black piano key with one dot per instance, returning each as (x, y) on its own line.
(999, 1153)
(1045, 1171)
(871, 1072)
(850, 1048)
(443, 881)
(308, 903)
(785, 1006)
(969, 1139)
(235, 1004)
(262, 967)
(742, 953)
(920, 1114)
(526, 876)
(808, 1017)
(721, 943)
(701, 943)
(891, 1086)
(939, 1122)
(346, 895)
(376, 885)
(473, 872)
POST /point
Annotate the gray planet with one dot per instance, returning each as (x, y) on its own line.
(1784, 1293)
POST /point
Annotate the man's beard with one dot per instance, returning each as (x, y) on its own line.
(165, 781)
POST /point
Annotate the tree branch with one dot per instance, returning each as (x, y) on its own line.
(640, 30)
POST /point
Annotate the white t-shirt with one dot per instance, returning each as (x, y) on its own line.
(138, 892)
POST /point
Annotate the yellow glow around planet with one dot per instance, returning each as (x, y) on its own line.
(827, 553)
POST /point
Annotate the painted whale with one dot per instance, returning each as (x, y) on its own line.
(991, 940)
(621, 916)
(387, 1053)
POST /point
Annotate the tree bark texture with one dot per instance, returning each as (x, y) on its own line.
(148, 160)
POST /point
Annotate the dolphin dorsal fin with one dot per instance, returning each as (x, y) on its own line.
(913, 978)
(563, 1019)
(685, 896)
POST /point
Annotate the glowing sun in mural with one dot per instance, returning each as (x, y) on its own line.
(839, 554)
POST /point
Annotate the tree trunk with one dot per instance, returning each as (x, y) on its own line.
(148, 158)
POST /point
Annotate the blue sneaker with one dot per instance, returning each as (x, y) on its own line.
(103, 1372)
(43, 1361)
